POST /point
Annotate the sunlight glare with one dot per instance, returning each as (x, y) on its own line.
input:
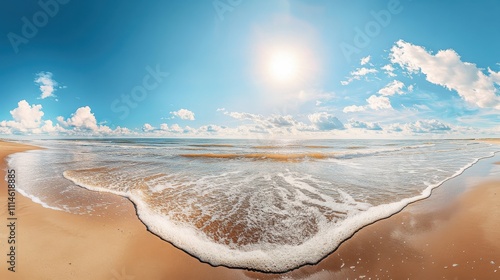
(283, 66)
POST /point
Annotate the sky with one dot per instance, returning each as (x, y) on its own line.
(250, 69)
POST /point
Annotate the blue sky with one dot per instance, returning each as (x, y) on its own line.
(240, 68)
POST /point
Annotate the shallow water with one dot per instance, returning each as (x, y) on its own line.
(265, 205)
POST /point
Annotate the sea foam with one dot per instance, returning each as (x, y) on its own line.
(265, 215)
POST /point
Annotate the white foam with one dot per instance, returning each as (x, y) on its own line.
(265, 257)
(37, 200)
(370, 152)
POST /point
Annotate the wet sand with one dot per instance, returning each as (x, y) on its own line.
(451, 235)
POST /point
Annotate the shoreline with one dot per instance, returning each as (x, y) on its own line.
(126, 254)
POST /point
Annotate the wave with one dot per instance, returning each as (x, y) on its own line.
(213, 145)
(291, 146)
(268, 255)
(356, 147)
(262, 156)
(243, 209)
(297, 157)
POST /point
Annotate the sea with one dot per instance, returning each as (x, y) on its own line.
(266, 205)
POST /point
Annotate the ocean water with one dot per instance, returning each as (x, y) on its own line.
(268, 205)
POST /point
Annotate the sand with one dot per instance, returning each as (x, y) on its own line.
(115, 245)
(451, 235)
(490, 140)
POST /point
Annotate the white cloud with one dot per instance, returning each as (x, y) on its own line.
(84, 122)
(27, 119)
(353, 109)
(389, 70)
(210, 129)
(164, 127)
(363, 71)
(49, 127)
(365, 60)
(184, 114)
(374, 102)
(282, 121)
(244, 116)
(357, 74)
(428, 126)
(26, 116)
(273, 124)
(363, 125)
(221, 109)
(495, 76)
(379, 102)
(421, 126)
(392, 88)
(176, 128)
(46, 83)
(147, 127)
(445, 68)
(82, 119)
(166, 130)
(325, 121)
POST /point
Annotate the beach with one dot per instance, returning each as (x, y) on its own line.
(451, 235)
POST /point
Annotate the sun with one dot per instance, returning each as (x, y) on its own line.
(283, 66)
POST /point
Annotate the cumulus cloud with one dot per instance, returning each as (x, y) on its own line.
(273, 124)
(84, 122)
(26, 117)
(389, 70)
(354, 109)
(82, 119)
(282, 121)
(147, 127)
(210, 129)
(394, 87)
(325, 121)
(421, 126)
(47, 84)
(379, 102)
(176, 128)
(363, 125)
(357, 74)
(244, 116)
(445, 68)
(374, 102)
(184, 114)
(365, 60)
(164, 127)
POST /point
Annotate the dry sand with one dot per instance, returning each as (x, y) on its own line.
(448, 236)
